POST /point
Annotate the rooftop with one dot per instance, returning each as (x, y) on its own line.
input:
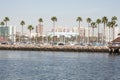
(116, 40)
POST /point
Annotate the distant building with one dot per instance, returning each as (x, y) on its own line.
(7, 33)
(39, 29)
(82, 31)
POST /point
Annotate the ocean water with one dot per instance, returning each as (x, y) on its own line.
(41, 65)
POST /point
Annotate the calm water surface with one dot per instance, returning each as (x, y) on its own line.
(37, 65)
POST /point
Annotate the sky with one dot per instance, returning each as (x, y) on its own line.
(66, 11)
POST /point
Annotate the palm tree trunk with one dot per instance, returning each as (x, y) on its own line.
(22, 34)
(98, 34)
(93, 32)
(93, 35)
(30, 36)
(41, 34)
(6, 23)
(88, 34)
(113, 33)
(84, 35)
(109, 34)
(79, 32)
(22, 30)
(53, 30)
(103, 34)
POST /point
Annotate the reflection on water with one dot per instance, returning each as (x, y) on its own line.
(36, 65)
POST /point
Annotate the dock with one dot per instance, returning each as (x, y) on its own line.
(114, 46)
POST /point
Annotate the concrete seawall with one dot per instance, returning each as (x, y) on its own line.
(56, 48)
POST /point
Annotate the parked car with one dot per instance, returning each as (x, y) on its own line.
(60, 43)
(4, 42)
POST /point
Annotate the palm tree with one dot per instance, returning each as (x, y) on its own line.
(104, 21)
(54, 19)
(79, 19)
(109, 24)
(88, 21)
(2, 23)
(30, 28)
(40, 20)
(98, 21)
(22, 23)
(93, 25)
(6, 19)
(113, 20)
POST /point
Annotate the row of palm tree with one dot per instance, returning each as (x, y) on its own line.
(111, 24)
(104, 20)
(4, 22)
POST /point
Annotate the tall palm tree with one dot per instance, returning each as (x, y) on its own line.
(6, 19)
(30, 28)
(22, 23)
(89, 22)
(79, 19)
(40, 20)
(104, 21)
(93, 25)
(109, 24)
(98, 21)
(54, 19)
(2, 24)
(113, 20)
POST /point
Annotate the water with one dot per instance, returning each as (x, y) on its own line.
(37, 65)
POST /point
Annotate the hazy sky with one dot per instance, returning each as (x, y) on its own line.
(66, 11)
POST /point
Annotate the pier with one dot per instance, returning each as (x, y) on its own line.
(114, 46)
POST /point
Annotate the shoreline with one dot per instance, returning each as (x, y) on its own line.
(66, 48)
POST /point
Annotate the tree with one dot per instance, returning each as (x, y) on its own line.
(40, 20)
(54, 19)
(6, 19)
(30, 28)
(113, 20)
(2, 23)
(109, 25)
(104, 21)
(88, 21)
(79, 19)
(93, 25)
(98, 21)
(22, 23)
